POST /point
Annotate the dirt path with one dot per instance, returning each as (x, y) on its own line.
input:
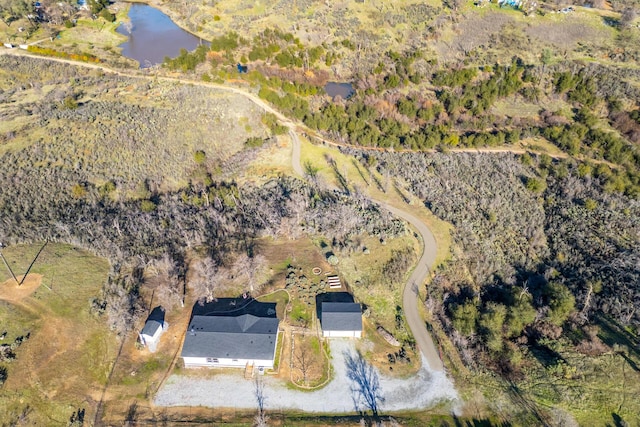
(409, 300)
(418, 277)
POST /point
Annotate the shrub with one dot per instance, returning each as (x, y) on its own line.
(199, 156)
(536, 185)
(254, 142)
(147, 206)
(107, 16)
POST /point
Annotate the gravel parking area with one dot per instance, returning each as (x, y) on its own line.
(423, 390)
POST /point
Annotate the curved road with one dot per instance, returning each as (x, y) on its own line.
(429, 247)
(418, 277)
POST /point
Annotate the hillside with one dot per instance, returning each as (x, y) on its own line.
(518, 132)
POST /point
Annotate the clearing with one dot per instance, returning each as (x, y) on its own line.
(63, 364)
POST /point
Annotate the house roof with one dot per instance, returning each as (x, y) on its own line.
(151, 327)
(237, 337)
(341, 316)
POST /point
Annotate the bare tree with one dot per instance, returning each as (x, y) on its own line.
(628, 15)
(365, 389)
(208, 278)
(250, 268)
(169, 279)
(303, 358)
(261, 419)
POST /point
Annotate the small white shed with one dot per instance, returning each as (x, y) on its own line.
(150, 335)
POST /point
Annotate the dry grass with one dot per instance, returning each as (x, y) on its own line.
(124, 129)
(273, 161)
(315, 155)
(566, 31)
(13, 292)
(309, 364)
(516, 106)
(376, 349)
(65, 362)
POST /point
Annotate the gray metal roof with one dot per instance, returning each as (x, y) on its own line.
(240, 337)
(341, 316)
(151, 327)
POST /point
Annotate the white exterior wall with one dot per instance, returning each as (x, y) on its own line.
(152, 339)
(342, 334)
(193, 362)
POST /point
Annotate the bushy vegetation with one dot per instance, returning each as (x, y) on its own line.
(86, 57)
(537, 270)
(104, 129)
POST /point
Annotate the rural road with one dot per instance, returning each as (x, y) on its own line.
(421, 271)
(410, 295)
(418, 277)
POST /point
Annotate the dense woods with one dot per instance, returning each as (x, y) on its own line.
(408, 102)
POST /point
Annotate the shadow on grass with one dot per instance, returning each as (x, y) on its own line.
(546, 356)
(475, 422)
(612, 333)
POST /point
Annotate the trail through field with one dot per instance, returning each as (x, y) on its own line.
(230, 390)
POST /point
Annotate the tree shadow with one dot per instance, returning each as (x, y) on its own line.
(234, 307)
(476, 422)
(357, 165)
(617, 421)
(342, 180)
(546, 356)
(612, 333)
(366, 393)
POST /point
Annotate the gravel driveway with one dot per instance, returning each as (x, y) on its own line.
(423, 390)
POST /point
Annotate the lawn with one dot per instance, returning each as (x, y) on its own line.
(64, 364)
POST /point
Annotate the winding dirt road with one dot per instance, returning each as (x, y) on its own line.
(429, 247)
(410, 295)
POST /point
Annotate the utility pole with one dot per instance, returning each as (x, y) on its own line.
(8, 267)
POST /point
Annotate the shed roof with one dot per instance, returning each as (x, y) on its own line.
(237, 337)
(341, 316)
(151, 327)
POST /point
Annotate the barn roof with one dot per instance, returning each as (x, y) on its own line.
(341, 316)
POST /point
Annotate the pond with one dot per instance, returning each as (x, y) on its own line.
(344, 90)
(153, 35)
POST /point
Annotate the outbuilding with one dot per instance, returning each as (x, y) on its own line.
(153, 328)
(341, 319)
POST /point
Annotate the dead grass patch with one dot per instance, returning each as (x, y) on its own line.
(13, 292)
(309, 365)
(376, 350)
(567, 31)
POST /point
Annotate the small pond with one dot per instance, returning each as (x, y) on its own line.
(153, 35)
(344, 90)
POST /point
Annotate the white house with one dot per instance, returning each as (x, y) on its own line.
(341, 319)
(230, 341)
